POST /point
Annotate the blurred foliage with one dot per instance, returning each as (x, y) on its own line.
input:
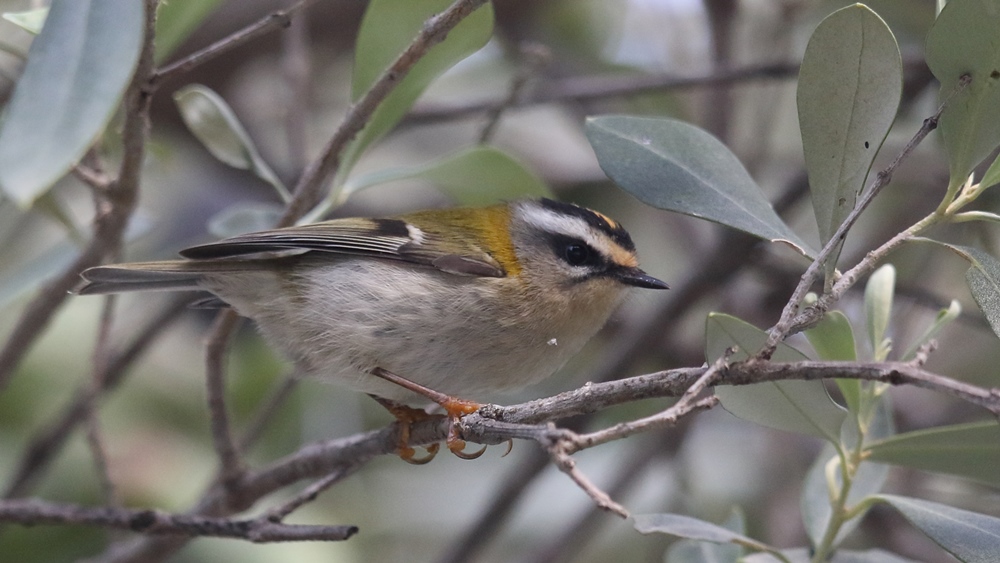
(156, 427)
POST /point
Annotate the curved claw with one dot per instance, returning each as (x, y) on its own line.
(408, 454)
(457, 447)
(510, 447)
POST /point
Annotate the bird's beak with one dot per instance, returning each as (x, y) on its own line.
(638, 278)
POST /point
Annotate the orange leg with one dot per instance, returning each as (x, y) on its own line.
(406, 416)
(454, 407)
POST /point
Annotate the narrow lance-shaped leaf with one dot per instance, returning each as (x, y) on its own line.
(963, 40)
(672, 165)
(878, 308)
(869, 478)
(968, 450)
(943, 319)
(969, 536)
(78, 68)
(848, 92)
(31, 21)
(693, 528)
(710, 552)
(833, 340)
(983, 279)
(387, 29)
(803, 407)
(212, 121)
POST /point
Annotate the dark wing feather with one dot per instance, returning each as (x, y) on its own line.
(383, 238)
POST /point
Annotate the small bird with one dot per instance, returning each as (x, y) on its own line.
(440, 304)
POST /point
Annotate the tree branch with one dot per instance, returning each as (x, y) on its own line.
(32, 512)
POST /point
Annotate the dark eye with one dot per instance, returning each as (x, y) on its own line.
(576, 254)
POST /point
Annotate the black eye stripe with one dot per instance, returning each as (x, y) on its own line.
(576, 252)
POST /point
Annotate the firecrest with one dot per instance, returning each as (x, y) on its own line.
(460, 301)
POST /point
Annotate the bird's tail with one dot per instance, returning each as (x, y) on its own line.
(167, 275)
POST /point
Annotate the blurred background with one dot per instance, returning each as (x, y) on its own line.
(728, 66)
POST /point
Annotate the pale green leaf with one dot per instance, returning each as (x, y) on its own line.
(77, 71)
(692, 528)
(675, 166)
(969, 536)
(943, 319)
(992, 175)
(803, 407)
(31, 21)
(983, 279)
(968, 450)
(833, 340)
(387, 29)
(964, 40)
(176, 20)
(709, 552)
(841, 556)
(215, 124)
(849, 88)
(869, 478)
(878, 308)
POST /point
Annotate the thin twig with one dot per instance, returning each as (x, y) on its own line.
(788, 320)
(567, 465)
(279, 513)
(216, 346)
(534, 57)
(296, 67)
(270, 22)
(43, 448)
(590, 88)
(32, 512)
(94, 437)
(434, 31)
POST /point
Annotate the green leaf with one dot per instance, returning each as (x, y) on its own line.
(708, 552)
(943, 319)
(868, 479)
(244, 217)
(833, 340)
(983, 279)
(992, 175)
(968, 450)
(675, 166)
(213, 122)
(969, 536)
(878, 309)
(31, 21)
(387, 29)
(476, 176)
(849, 89)
(803, 407)
(841, 556)
(78, 68)
(963, 40)
(692, 528)
(176, 20)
